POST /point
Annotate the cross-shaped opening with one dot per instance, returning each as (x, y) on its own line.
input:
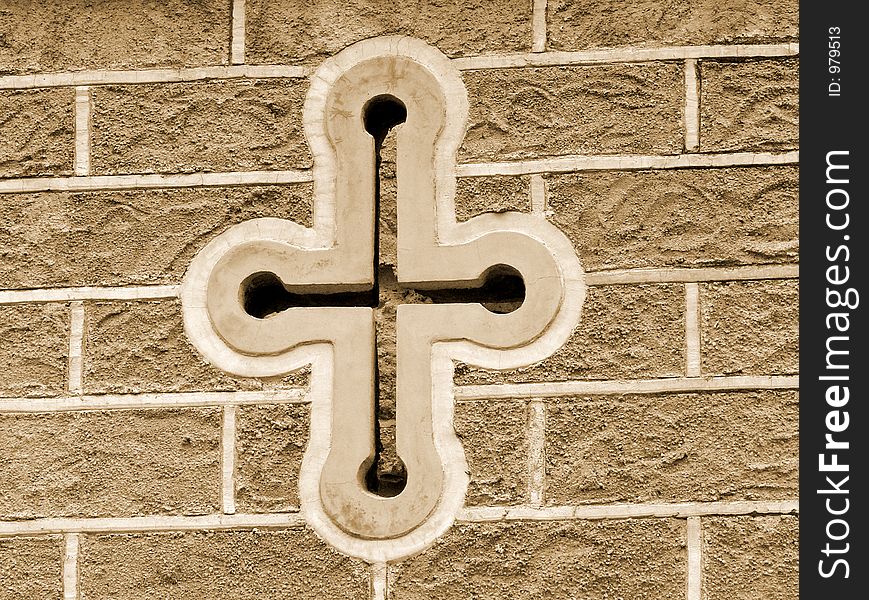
(502, 290)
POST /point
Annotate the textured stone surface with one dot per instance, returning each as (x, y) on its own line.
(751, 105)
(42, 35)
(281, 31)
(31, 568)
(641, 559)
(36, 131)
(494, 436)
(583, 24)
(224, 565)
(270, 442)
(679, 218)
(135, 347)
(216, 126)
(552, 111)
(114, 463)
(476, 195)
(750, 327)
(672, 448)
(626, 331)
(34, 349)
(751, 557)
(135, 237)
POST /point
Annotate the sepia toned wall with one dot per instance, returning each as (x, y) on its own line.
(653, 457)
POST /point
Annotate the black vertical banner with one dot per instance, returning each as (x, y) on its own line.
(834, 224)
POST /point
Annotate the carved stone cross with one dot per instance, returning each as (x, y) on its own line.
(321, 273)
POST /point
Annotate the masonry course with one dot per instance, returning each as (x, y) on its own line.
(36, 132)
(31, 567)
(749, 327)
(80, 34)
(110, 463)
(751, 557)
(247, 125)
(139, 347)
(749, 105)
(633, 558)
(233, 565)
(680, 217)
(34, 350)
(305, 32)
(60, 239)
(552, 111)
(628, 331)
(494, 435)
(578, 25)
(637, 448)
(270, 442)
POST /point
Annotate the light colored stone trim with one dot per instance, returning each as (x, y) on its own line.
(538, 26)
(679, 275)
(82, 131)
(538, 195)
(695, 562)
(532, 59)
(593, 278)
(141, 182)
(692, 330)
(137, 401)
(627, 511)
(622, 55)
(379, 581)
(132, 77)
(227, 460)
(143, 292)
(475, 514)
(151, 523)
(692, 106)
(562, 164)
(76, 339)
(516, 391)
(433, 247)
(536, 452)
(70, 566)
(238, 33)
(568, 164)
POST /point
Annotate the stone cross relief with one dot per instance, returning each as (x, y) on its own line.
(270, 296)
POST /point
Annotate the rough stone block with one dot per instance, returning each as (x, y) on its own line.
(113, 463)
(695, 447)
(136, 347)
(626, 331)
(295, 32)
(750, 327)
(247, 125)
(749, 105)
(477, 195)
(37, 131)
(135, 237)
(553, 111)
(31, 568)
(222, 565)
(42, 35)
(679, 218)
(34, 349)
(584, 24)
(641, 559)
(751, 557)
(494, 436)
(270, 442)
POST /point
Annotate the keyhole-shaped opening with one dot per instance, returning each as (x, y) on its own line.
(387, 475)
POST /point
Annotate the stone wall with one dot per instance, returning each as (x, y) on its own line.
(653, 456)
